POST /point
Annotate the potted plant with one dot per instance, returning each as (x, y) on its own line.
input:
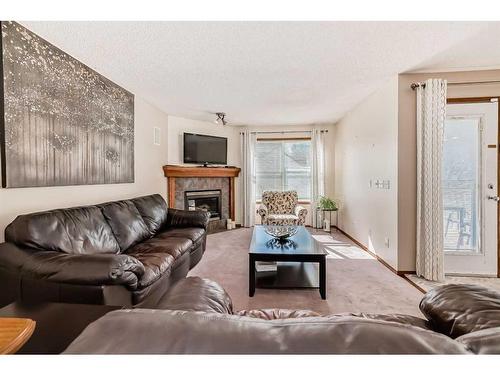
(326, 203)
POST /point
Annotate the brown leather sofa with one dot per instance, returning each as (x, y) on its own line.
(197, 317)
(124, 253)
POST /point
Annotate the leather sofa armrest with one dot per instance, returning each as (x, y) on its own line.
(13, 257)
(186, 219)
(96, 269)
(485, 341)
(458, 309)
(197, 294)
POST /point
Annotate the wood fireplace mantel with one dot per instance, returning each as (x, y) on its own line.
(172, 172)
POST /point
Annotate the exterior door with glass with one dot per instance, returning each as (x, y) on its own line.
(470, 191)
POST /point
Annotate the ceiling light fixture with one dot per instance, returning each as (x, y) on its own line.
(221, 118)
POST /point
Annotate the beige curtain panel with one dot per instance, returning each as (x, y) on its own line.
(431, 115)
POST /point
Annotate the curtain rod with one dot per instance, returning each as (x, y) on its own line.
(422, 84)
(287, 132)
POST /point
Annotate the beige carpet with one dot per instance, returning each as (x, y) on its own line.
(488, 282)
(356, 282)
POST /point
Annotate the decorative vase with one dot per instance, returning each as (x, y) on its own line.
(281, 232)
(326, 227)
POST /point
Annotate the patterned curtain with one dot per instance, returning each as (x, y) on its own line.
(317, 173)
(248, 179)
(431, 114)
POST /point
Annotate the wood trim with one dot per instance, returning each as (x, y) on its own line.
(368, 251)
(171, 191)
(232, 202)
(178, 171)
(182, 171)
(387, 265)
(487, 99)
(414, 284)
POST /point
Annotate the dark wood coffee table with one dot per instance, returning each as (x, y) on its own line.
(300, 260)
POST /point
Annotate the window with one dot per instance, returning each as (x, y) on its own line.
(283, 165)
(461, 184)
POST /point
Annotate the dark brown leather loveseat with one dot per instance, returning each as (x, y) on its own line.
(197, 317)
(123, 253)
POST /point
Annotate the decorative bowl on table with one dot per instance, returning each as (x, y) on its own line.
(280, 232)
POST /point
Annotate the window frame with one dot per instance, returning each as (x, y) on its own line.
(283, 172)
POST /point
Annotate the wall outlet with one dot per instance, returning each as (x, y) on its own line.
(386, 242)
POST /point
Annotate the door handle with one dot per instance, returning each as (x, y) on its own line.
(493, 198)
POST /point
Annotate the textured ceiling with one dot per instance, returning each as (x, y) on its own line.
(265, 73)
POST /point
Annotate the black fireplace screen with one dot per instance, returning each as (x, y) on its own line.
(205, 200)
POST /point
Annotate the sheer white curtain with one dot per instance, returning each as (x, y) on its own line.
(248, 141)
(431, 115)
(317, 172)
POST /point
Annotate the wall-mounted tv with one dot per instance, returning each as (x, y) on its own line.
(204, 149)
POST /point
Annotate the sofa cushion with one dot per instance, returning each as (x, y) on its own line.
(197, 294)
(396, 318)
(280, 202)
(155, 266)
(126, 222)
(486, 341)
(153, 210)
(271, 314)
(194, 332)
(175, 246)
(194, 234)
(459, 309)
(81, 230)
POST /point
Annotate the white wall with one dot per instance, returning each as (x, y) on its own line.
(177, 126)
(148, 175)
(366, 148)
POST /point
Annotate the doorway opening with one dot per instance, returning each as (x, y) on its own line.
(470, 187)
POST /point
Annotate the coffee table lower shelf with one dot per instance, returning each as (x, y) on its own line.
(289, 275)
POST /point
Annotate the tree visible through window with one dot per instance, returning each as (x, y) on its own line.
(283, 165)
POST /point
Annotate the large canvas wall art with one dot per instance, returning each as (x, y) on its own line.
(61, 122)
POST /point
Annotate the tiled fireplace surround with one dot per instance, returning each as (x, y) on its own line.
(200, 183)
(185, 178)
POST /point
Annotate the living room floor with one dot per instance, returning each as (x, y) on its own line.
(356, 282)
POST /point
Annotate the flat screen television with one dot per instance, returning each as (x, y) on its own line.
(204, 149)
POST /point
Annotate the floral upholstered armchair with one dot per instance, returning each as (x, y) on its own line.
(281, 208)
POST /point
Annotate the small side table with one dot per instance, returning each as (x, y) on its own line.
(58, 324)
(323, 210)
(14, 332)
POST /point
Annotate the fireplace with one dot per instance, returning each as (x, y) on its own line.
(202, 181)
(205, 200)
